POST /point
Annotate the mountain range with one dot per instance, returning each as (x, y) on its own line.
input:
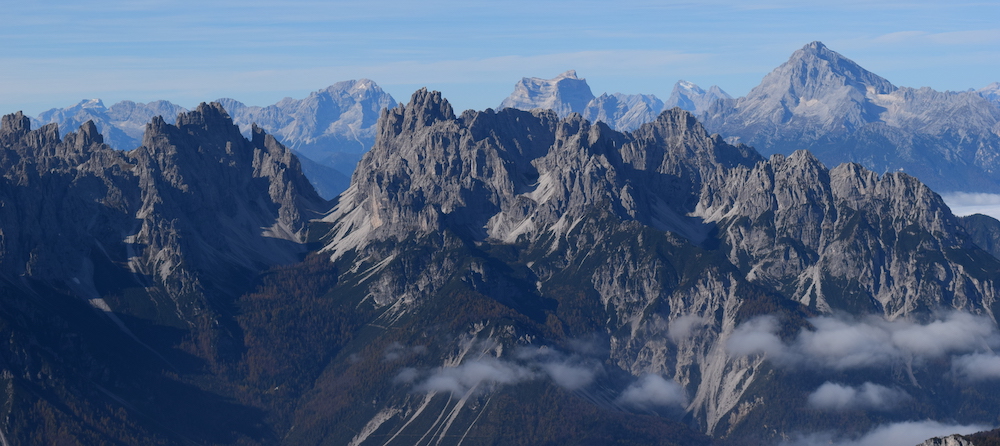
(818, 100)
(825, 103)
(673, 254)
(496, 277)
(330, 129)
(568, 93)
(119, 271)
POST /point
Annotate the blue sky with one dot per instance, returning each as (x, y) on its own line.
(56, 53)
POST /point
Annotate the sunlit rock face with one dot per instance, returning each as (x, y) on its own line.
(823, 102)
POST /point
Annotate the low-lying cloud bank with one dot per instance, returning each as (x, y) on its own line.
(976, 367)
(473, 374)
(653, 391)
(833, 396)
(907, 433)
(569, 371)
(842, 343)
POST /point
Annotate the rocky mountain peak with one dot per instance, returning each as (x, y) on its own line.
(15, 124)
(206, 117)
(816, 72)
(424, 109)
(816, 90)
(677, 121)
(332, 127)
(563, 94)
(121, 125)
(568, 93)
(822, 101)
(87, 136)
(568, 74)
(92, 103)
(205, 133)
(991, 92)
(361, 86)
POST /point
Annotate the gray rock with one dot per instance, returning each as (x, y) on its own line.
(122, 124)
(693, 98)
(569, 94)
(991, 92)
(328, 124)
(623, 111)
(564, 94)
(826, 103)
(951, 440)
(332, 127)
(196, 205)
(666, 226)
(984, 231)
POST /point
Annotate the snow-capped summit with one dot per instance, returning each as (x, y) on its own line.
(991, 92)
(91, 103)
(689, 96)
(689, 86)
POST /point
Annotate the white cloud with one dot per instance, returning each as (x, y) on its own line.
(407, 375)
(396, 351)
(907, 433)
(967, 203)
(833, 396)
(652, 391)
(473, 374)
(843, 343)
(976, 367)
(685, 326)
(957, 332)
(570, 372)
(570, 376)
(757, 336)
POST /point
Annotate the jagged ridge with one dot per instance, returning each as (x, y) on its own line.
(662, 227)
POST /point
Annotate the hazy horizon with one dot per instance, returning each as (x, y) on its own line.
(185, 52)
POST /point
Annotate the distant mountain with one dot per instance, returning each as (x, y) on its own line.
(991, 92)
(564, 94)
(821, 101)
(327, 181)
(624, 111)
(693, 98)
(121, 125)
(568, 93)
(332, 127)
